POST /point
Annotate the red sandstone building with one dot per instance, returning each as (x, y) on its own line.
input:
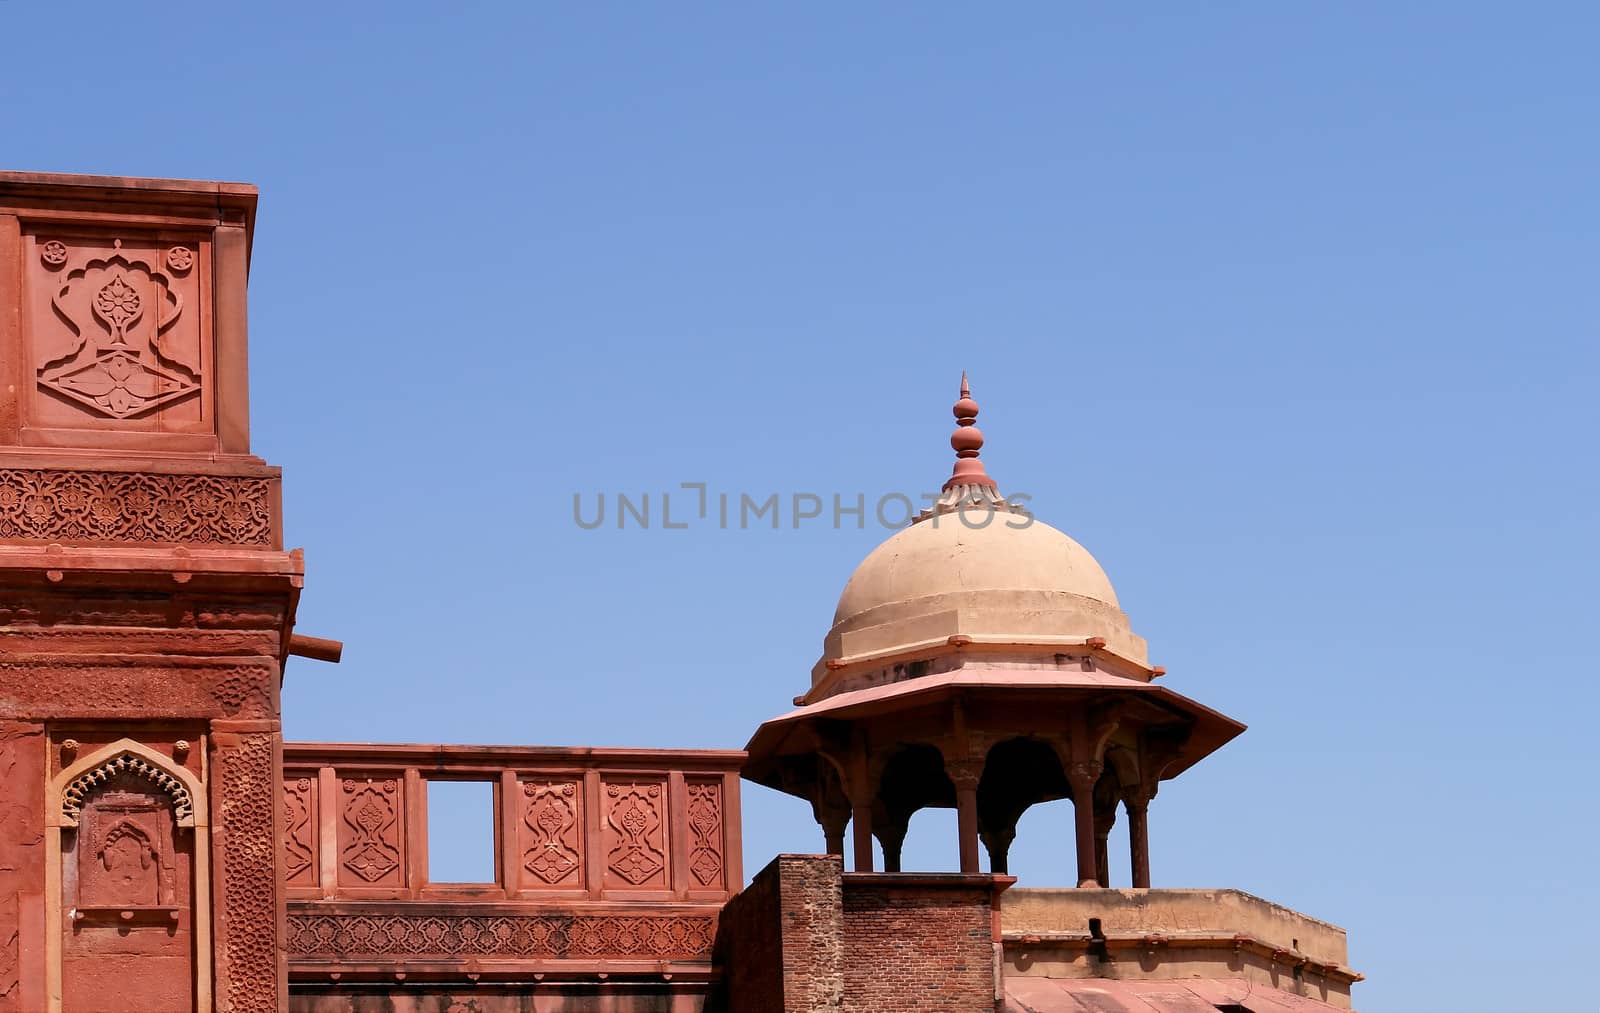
(162, 848)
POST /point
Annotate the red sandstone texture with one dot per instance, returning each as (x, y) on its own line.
(146, 605)
(22, 762)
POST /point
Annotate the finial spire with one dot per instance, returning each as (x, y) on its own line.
(967, 440)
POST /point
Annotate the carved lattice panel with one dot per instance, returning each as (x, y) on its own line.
(300, 829)
(118, 331)
(372, 832)
(633, 832)
(550, 833)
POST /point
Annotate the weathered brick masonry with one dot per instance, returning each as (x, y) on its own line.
(807, 937)
(921, 943)
(781, 941)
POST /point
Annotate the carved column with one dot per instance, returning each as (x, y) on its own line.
(1082, 775)
(965, 775)
(831, 808)
(891, 836)
(998, 844)
(1137, 800)
(860, 790)
(833, 822)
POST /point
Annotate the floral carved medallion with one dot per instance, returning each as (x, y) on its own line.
(111, 343)
(551, 817)
(637, 854)
(371, 813)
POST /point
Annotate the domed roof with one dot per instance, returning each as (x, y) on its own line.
(976, 566)
(951, 553)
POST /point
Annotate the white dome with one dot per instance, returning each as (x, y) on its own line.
(1012, 577)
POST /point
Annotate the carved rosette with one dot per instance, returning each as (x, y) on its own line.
(636, 852)
(554, 847)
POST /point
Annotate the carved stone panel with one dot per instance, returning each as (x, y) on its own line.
(551, 833)
(371, 832)
(125, 850)
(248, 950)
(633, 833)
(300, 830)
(118, 331)
(706, 840)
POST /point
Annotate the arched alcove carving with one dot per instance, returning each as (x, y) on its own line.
(135, 766)
(128, 860)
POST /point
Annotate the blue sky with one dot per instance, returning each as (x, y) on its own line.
(1287, 314)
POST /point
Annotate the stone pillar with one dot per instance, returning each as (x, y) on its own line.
(1082, 775)
(965, 775)
(998, 844)
(833, 823)
(1104, 820)
(861, 824)
(891, 837)
(831, 809)
(1137, 801)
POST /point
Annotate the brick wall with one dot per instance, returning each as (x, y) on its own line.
(921, 943)
(780, 943)
(805, 937)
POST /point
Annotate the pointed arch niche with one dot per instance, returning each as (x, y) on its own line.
(128, 878)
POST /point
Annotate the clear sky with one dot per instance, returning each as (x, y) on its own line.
(1287, 314)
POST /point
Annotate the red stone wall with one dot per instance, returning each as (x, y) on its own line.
(920, 944)
(22, 763)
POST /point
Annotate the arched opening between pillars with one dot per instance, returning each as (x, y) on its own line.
(1017, 773)
(913, 778)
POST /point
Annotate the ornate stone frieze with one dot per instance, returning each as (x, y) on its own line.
(135, 691)
(447, 936)
(51, 505)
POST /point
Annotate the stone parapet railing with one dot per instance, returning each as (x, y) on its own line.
(605, 861)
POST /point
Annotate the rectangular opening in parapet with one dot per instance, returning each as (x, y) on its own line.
(461, 832)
